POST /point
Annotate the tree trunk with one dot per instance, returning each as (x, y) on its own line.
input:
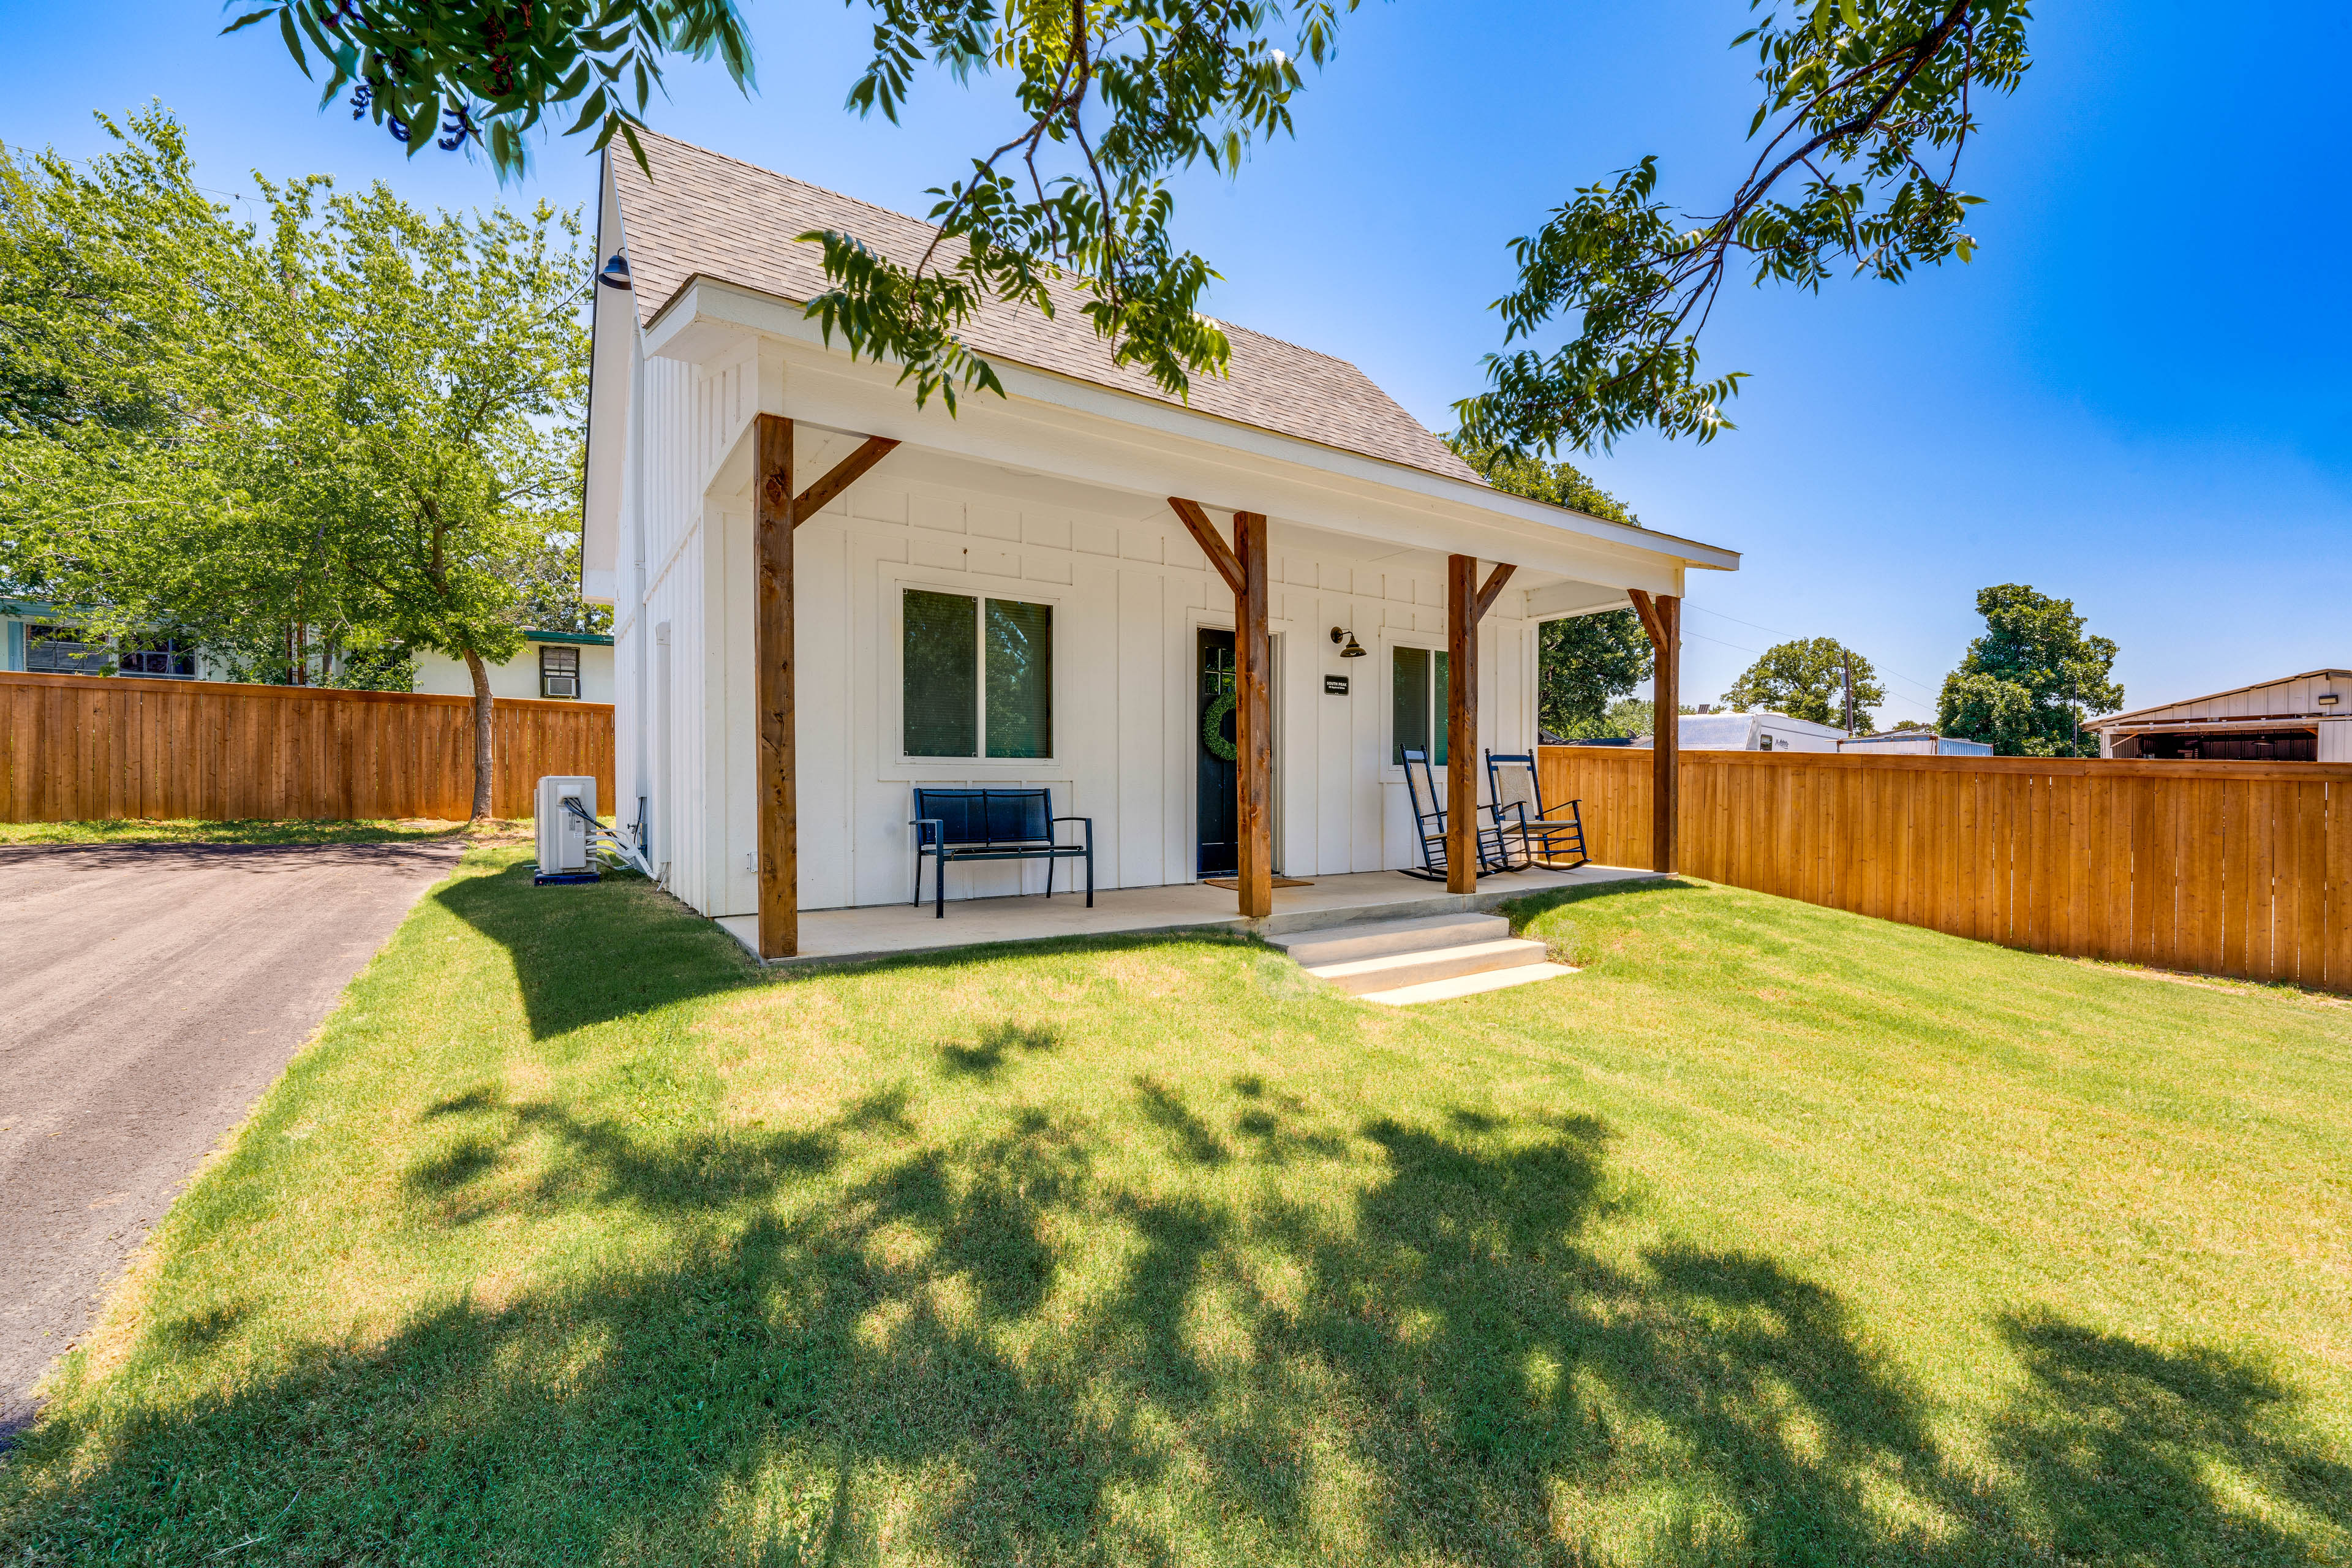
(481, 673)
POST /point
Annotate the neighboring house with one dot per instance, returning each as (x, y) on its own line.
(577, 665)
(41, 639)
(1033, 591)
(1752, 733)
(2304, 718)
(1914, 743)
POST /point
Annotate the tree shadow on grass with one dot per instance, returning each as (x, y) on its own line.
(852, 1340)
(591, 952)
(985, 1058)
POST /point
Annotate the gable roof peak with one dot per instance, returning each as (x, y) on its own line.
(707, 215)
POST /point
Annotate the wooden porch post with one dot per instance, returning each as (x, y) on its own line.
(1466, 602)
(1243, 566)
(780, 860)
(1462, 724)
(1662, 616)
(1253, 717)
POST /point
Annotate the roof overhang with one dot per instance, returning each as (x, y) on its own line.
(2155, 714)
(1052, 425)
(2120, 727)
(611, 365)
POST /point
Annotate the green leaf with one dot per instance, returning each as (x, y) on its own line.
(293, 40)
(249, 19)
(590, 115)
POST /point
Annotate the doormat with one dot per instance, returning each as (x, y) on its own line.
(1233, 884)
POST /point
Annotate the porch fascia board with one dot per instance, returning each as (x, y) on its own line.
(1054, 425)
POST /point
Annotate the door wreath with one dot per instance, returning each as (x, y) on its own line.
(1213, 729)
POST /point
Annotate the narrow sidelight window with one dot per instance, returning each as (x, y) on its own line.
(1418, 704)
(978, 677)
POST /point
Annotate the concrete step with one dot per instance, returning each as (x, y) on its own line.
(1376, 939)
(1391, 969)
(1466, 984)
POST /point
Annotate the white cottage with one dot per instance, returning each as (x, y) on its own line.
(1070, 586)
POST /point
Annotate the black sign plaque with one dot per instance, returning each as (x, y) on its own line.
(1335, 685)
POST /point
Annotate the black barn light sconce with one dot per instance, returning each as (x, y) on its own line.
(615, 274)
(1353, 650)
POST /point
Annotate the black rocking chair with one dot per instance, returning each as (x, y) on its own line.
(1550, 836)
(1429, 825)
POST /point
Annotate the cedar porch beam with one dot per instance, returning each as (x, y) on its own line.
(845, 473)
(772, 656)
(1662, 615)
(1253, 713)
(1213, 544)
(1493, 589)
(1461, 612)
(1648, 613)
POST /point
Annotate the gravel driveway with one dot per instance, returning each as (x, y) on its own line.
(147, 997)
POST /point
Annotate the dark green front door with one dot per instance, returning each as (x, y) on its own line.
(1213, 730)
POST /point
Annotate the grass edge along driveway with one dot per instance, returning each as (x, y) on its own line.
(1777, 1235)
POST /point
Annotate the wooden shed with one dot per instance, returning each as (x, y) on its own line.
(2304, 718)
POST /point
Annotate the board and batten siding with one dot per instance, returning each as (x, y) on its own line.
(1128, 594)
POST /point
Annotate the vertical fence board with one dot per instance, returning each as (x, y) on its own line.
(83, 748)
(2222, 868)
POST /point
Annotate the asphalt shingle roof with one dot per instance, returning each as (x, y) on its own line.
(702, 213)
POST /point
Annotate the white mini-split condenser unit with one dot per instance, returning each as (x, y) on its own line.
(563, 854)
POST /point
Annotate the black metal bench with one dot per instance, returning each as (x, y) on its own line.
(993, 824)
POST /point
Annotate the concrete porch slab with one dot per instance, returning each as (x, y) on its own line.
(888, 931)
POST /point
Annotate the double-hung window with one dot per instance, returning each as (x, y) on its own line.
(166, 656)
(978, 676)
(1417, 683)
(63, 650)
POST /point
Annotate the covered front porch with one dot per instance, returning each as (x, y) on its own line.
(1270, 635)
(891, 931)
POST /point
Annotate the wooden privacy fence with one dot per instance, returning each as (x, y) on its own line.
(80, 748)
(2239, 869)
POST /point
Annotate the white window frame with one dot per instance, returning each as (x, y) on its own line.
(894, 692)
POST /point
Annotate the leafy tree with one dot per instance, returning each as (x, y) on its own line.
(1583, 661)
(1553, 482)
(1581, 664)
(315, 445)
(1110, 100)
(2027, 684)
(1867, 108)
(441, 448)
(150, 343)
(1806, 680)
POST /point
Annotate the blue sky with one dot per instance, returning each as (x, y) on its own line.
(2136, 397)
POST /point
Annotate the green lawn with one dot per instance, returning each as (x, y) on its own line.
(260, 830)
(1777, 1235)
